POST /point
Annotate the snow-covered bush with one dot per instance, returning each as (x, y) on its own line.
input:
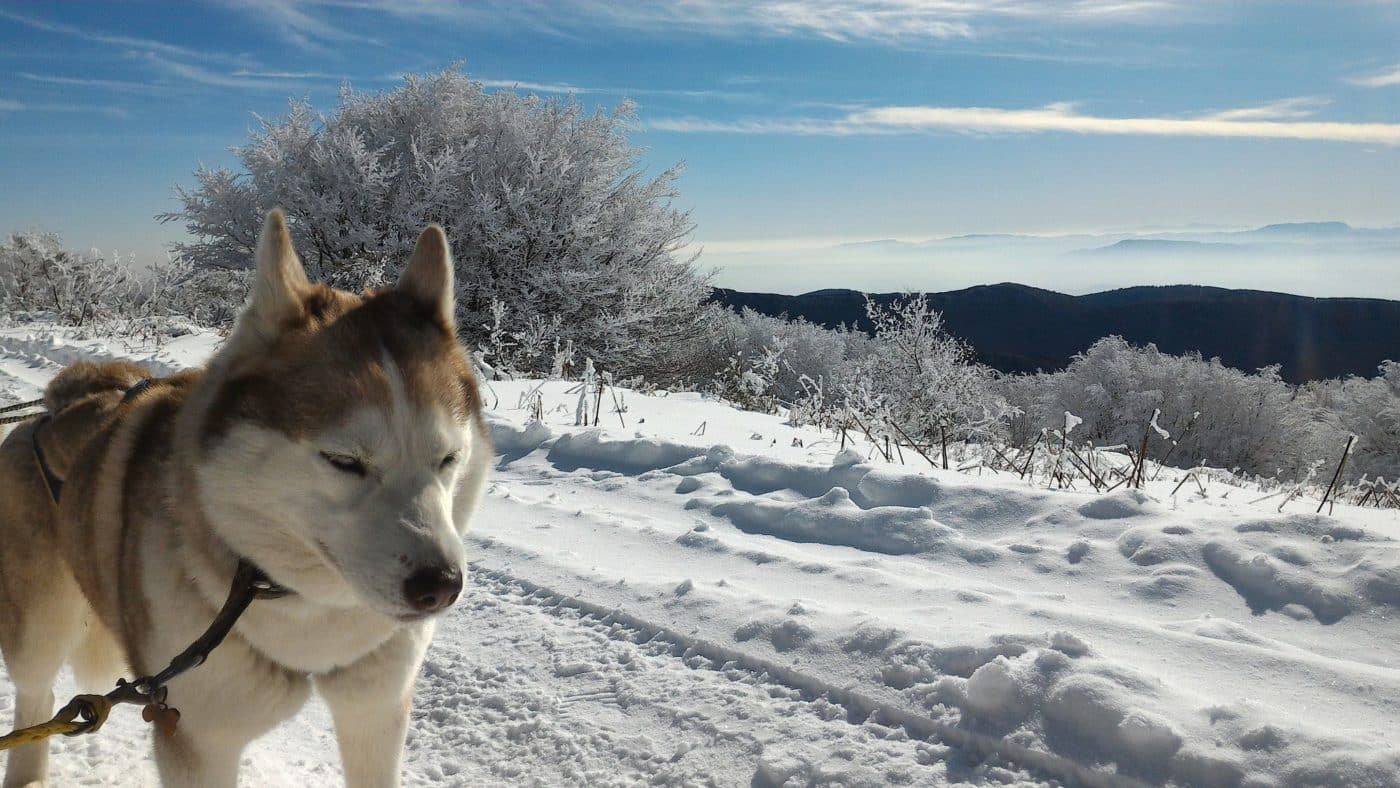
(754, 357)
(538, 346)
(923, 379)
(1211, 413)
(37, 275)
(751, 381)
(179, 291)
(1368, 408)
(912, 374)
(545, 204)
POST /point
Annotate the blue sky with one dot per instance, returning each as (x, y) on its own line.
(802, 122)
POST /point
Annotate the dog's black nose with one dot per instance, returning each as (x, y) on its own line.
(432, 589)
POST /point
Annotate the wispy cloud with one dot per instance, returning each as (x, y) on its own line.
(1283, 109)
(243, 72)
(1382, 79)
(115, 39)
(1053, 118)
(9, 105)
(103, 84)
(294, 23)
(203, 76)
(537, 87)
(838, 20)
(565, 88)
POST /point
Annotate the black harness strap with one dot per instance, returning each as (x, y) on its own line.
(88, 713)
(141, 385)
(51, 479)
(54, 482)
(250, 582)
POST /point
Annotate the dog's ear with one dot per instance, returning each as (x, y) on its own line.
(279, 283)
(428, 275)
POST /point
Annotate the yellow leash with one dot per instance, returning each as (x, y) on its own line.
(92, 709)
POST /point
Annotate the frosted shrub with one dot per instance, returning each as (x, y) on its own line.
(923, 379)
(912, 373)
(535, 347)
(37, 275)
(811, 356)
(1367, 408)
(812, 406)
(752, 382)
(546, 206)
(1209, 413)
(212, 297)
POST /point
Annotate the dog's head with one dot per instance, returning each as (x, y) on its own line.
(341, 447)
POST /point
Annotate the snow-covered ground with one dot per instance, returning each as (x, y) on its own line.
(693, 595)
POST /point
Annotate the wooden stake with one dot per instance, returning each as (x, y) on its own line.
(1031, 456)
(1142, 457)
(913, 445)
(1093, 475)
(870, 437)
(1340, 464)
(613, 391)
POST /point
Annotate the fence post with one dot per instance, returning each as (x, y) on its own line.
(1340, 464)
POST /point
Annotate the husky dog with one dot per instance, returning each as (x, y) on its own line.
(335, 441)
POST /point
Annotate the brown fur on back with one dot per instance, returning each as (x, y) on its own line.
(40, 600)
(118, 476)
(79, 399)
(84, 378)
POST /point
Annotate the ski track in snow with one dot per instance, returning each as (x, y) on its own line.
(522, 688)
(707, 597)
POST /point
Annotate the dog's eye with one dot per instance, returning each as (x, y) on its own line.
(449, 461)
(344, 462)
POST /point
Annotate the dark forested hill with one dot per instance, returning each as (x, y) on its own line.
(1016, 328)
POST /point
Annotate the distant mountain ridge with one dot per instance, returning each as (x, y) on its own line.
(1164, 245)
(1324, 258)
(1315, 228)
(1015, 328)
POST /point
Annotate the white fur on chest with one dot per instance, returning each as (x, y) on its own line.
(292, 633)
(310, 638)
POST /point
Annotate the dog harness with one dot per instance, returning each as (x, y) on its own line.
(51, 479)
(87, 713)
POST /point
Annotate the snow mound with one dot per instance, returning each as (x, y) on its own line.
(1119, 505)
(596, 449)
(833, 519)
(513, 440)
(1267, 583)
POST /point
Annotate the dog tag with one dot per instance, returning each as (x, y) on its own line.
(164, 717)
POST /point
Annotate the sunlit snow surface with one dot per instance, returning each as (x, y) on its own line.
(690, 594)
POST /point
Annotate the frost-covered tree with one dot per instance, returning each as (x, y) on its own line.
(923, 379)
(912, 373)
(37, 275)
(545, 203)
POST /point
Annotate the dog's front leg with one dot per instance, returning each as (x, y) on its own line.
(229, 701)
(369, 701)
